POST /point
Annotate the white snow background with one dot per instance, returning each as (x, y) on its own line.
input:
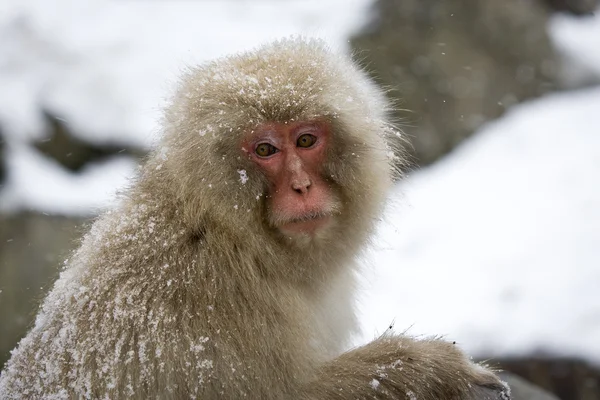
(497, 246)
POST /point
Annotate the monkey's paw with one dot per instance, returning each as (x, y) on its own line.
(443, 370)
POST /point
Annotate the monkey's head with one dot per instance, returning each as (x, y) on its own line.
(288, 142)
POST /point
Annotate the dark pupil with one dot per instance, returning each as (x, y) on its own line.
(306, 141)
(265, 150)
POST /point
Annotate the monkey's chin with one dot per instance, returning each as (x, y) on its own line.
(311, 227)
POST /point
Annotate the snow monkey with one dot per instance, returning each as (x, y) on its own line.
(226, 270)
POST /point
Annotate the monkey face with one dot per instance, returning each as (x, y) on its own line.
(291, 156)
(286, 148)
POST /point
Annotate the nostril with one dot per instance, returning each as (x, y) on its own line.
(301, 188)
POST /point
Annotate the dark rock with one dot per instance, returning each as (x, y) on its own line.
(74, 153)
(456, 64)
(577, 7)
(32, 250)
(520, 389)
(567, 378)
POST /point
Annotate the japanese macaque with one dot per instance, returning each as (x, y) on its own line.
(227, 270)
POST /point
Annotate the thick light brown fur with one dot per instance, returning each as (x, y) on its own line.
(185, 290)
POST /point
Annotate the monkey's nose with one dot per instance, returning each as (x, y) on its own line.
(301, 186)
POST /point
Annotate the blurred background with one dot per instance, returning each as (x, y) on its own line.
(492, 240)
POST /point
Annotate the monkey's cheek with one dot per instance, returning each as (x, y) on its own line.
(311, 227)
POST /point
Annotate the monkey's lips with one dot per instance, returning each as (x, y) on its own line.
(306, 224)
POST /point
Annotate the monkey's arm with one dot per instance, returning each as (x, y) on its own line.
(398, 367)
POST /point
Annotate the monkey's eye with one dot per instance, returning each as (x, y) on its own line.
(306, 140)
(265, 150)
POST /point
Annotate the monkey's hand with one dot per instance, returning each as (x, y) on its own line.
(398, 367)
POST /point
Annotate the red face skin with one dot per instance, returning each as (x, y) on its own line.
(301, 202)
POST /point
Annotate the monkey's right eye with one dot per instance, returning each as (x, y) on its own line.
(265, 150)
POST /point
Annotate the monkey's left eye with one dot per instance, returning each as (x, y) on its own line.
(265, 150)
(306, 140)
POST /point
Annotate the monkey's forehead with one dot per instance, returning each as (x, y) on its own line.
(293, 60)
(284, 80)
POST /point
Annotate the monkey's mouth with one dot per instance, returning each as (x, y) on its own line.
(308, 217)
(309, 223)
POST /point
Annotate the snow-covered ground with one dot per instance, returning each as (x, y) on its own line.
(497, 245)
(577, 40)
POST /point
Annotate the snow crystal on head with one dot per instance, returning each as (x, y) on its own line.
(243, 176)
(281, 81)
